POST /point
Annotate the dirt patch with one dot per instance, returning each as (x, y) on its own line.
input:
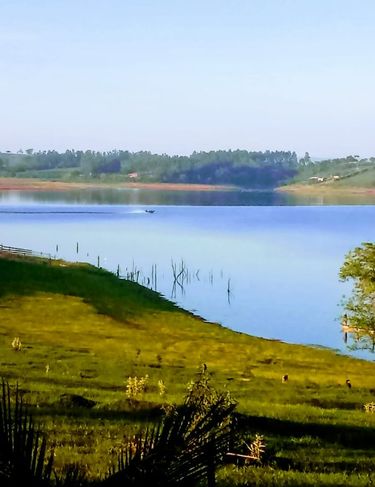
(25, 184)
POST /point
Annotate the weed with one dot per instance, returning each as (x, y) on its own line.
(162, 388)
(369, 407)
(136, 386)
(16, 344)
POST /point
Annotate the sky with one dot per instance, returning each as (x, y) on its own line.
(174, 76)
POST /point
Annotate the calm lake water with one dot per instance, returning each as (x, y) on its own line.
(279, 255)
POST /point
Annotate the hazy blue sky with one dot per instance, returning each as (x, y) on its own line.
(181, 75)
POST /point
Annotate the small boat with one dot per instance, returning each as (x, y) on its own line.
(150, 211)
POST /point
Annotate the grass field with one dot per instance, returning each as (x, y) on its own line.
(84, 331)
(340, 176)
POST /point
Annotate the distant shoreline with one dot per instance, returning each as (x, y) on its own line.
(325, 189)
(31, 184)
(26, 184)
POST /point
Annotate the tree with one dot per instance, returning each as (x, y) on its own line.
(359, 266)
(305, 160)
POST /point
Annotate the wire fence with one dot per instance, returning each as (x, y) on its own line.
(23, 252)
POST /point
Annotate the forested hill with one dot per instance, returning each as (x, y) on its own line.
(247, 169)
(239, 167)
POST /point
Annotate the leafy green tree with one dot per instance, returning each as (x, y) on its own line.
(359, 266)
(305, 160)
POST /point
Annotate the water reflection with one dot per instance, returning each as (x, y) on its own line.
(125, 196)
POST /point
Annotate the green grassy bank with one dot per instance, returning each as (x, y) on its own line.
(83, 331)
(327, 188)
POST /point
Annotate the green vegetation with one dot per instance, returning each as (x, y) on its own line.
(83, 332)
(248, 169)
(240, 167)
(184, 448)
(258, 170)
(359, 318)
(340, 173)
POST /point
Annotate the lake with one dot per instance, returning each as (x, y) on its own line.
(258, 262)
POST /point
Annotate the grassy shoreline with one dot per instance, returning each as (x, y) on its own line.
(84, 332)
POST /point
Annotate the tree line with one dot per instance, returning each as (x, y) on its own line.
(249, 169)
(254, 169)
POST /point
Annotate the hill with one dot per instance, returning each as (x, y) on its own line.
(84, 332)
(334, 174)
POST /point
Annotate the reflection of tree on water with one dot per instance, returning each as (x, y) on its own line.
(344, 326)
(133, 196)
(363, 339)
